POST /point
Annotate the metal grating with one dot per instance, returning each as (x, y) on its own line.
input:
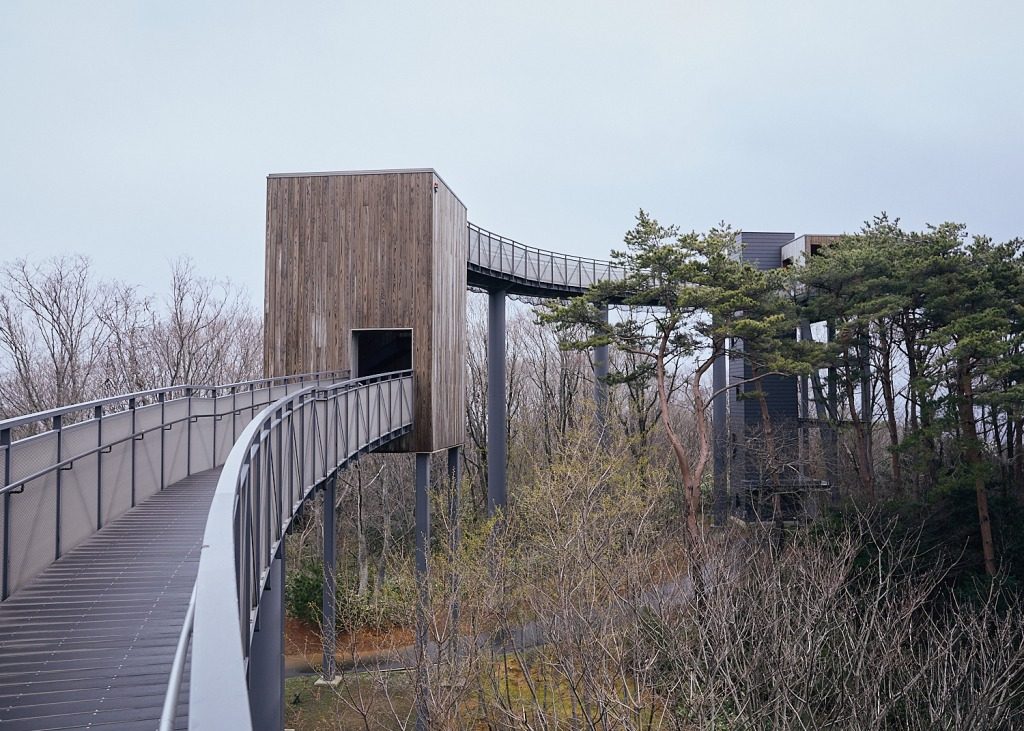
(90, 640)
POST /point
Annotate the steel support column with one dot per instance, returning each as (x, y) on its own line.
(824, 411)
(422, 519)
(804, 431)
(866, 404)
(454, 537)
(328, 630)
(601, 383)
(832, 450)
(720, 440)
(497, 447)
(454, 498)
(266, 658)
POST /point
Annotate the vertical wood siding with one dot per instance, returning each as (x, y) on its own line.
(358, 251)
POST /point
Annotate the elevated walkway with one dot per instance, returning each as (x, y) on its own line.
(89, 642)
(106, 507)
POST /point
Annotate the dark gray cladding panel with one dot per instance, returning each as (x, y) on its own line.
(763, 248)
(781, 394)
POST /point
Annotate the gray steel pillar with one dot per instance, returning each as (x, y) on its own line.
(328, 628)
(422, 519)
(720, 440)
(601, 382)
(832, 450)
(454, 497)
(866, 414)
(497, 447)
(804, 428)
(824, 409)
(454, 486)
(266, 656)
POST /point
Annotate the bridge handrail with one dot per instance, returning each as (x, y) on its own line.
(254, 503)
(86, 456)
(170, 707)
(542, 261)
(49, 414)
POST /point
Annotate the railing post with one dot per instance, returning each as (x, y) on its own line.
(280, 475)
(303, 405)
(98, 417)
(5, 443)
(131, 408)
(248, 541)
(256, 505)
(334, 404)
(188, 432)
(266, 502)
(234, 413)
(314, 435)
(58, 426)
(291, 454)
(163, 428)
(213, 451)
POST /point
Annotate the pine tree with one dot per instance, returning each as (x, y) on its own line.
(688, 296)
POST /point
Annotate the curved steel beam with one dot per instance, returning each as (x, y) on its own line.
(494, 262)
(263, 484)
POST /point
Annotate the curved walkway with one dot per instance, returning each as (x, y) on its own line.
(89, 642)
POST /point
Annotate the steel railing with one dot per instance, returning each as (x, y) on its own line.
(508, 259)
(289, 449)
(81, 466)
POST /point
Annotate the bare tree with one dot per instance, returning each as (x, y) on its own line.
(66, 337)
(49, 332)
(209, 333)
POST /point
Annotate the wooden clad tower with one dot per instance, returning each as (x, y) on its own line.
(367, 271)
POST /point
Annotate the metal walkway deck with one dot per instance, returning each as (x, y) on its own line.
(89, 642)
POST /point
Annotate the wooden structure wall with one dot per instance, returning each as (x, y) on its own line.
(370, 250)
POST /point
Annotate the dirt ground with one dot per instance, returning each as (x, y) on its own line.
(304, 653)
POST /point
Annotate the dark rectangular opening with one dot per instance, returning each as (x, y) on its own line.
(380, 351)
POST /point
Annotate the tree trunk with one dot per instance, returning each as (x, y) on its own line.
(362, 559)
(863, 457)
(769, 448)
(691, 474)
(1018, 457)
(888, 395)
(385, 542)
(972, 451)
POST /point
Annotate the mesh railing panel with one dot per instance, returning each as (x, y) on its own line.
(78, 508)
(29, 456)
(32, 542)
(505, 258)
(116, 468)
(201, 445)
(175, 451)
(110, 455)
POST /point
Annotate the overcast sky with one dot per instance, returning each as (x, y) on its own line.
(136, 132)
